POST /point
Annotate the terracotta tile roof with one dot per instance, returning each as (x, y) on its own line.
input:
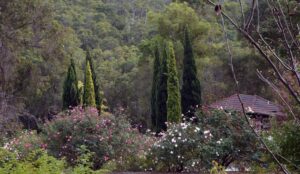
(253, 104)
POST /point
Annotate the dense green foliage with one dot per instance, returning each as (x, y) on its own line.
(35, 163)
(39, 162)
(173, 101)
(284, 141)
(89, 89)
(191, 89)
(71, 94)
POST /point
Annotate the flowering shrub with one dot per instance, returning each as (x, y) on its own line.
(108, 137)
(192, 146)
(25, 143)
(178, 148)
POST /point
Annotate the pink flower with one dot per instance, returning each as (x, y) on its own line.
(44, 146)
(106, 158)
(27, 145)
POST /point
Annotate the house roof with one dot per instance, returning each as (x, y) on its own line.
(253, 104)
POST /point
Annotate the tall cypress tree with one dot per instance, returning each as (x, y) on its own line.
(89, 91)
(155, 81)
(95, 81)
(162, 94)
(71, 96)
(173, 102)
(191, 89)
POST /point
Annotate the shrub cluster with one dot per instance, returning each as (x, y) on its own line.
(193, 145)
(82, 139)
(108, 137)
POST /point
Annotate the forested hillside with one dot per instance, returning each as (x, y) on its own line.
(120, 36)
(71, 66)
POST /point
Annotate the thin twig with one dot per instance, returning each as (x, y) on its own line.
(278, 93)
(294, 40)
(286, 43)
(266, 43)
(274, 54)
(251, 15)
(242, 11)
(282, 157)
(258, 17)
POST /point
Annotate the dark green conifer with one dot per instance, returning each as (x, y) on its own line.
(173, 102)
(71, 96)
(162, 95)
(155, 81)
(191, 89)
(89, 91)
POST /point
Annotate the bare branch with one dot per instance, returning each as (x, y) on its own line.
(274, 54)
(263, 53)
(251, 15)
(286, 42)
(242, 11)
(260, 75)
(294, 40)
(282, 157)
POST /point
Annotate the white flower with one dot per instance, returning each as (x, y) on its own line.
(183, 125)
(219, 142)
(270, 138)
(171, 152)
(176, 145)
(173, 140)
(206, 132)
(197, 129)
